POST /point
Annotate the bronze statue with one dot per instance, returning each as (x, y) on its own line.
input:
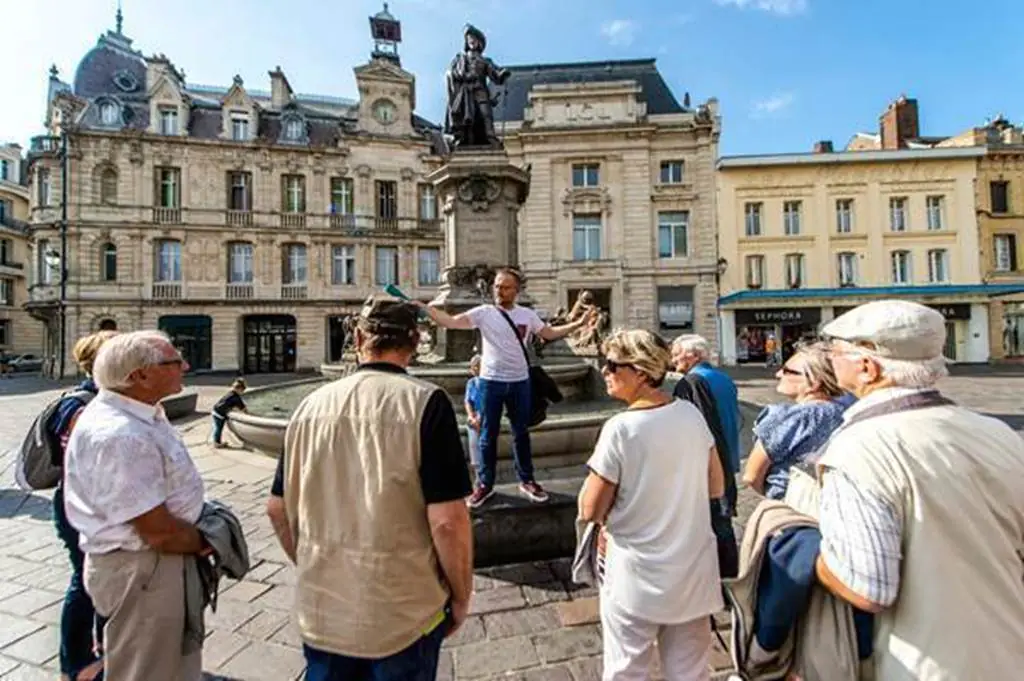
(469, 117)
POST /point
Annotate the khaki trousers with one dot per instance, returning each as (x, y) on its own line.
(142, 593)
(630, 644)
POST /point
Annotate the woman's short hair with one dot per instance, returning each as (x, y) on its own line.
(388, 324)
(86, 348)
(818, 368)
(646, 351)
(239, 384)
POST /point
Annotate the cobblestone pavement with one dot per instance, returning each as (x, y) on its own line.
(529, 622)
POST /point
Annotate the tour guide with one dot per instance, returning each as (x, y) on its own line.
(504, 377)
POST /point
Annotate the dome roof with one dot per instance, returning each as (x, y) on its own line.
(111, 68)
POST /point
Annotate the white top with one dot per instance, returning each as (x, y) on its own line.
(662, 561)
(502, 357)
(124, 459)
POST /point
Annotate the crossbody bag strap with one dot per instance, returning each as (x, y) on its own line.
(512, 325)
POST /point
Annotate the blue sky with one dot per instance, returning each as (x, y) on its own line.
(787, 72)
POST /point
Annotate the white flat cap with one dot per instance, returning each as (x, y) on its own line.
(898, 329)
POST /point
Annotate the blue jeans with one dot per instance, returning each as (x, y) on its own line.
(218, 427)
(515, 398)
(78, 619)
(418, 662)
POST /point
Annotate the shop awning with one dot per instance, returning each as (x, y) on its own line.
(806, 295)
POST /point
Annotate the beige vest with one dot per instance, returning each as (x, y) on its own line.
(957, 479)
(369, 584)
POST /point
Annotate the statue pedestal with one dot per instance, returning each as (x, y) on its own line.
(480, 193)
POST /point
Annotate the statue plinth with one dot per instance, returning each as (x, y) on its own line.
(480, 193)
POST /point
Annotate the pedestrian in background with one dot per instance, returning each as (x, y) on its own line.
(231, 401)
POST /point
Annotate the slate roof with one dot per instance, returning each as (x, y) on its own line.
(514, 95)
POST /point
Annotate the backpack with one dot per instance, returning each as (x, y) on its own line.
(35, 468)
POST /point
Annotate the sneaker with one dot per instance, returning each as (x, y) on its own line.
(479, 496)
(533, 491)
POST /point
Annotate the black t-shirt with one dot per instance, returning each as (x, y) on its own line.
(444, 475)
(230, 401)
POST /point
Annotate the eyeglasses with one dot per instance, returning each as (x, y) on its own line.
(612, 366)
(168, 362)
(791, 372)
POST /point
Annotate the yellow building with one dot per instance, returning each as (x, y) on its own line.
(19, 333)
(807, 236)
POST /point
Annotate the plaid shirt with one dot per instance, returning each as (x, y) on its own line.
(861, 539)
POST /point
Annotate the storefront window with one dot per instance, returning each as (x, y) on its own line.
(1013, 330)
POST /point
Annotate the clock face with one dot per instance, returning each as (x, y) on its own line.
(384, 111)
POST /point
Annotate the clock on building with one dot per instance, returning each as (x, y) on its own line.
(384, 111)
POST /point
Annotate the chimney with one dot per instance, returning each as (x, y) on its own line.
(280, 90)
(823, 147)
(899, 123)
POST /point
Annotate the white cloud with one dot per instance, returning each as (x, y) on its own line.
(773, 105)
(783, 7)
(619, 32)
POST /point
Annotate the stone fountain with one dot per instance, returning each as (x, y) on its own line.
(481, 194)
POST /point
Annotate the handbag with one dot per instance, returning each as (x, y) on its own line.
(543, 388)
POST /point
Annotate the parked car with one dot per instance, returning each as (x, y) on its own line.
(25, 363)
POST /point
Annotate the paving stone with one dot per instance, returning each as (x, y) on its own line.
(265, 569)
(27, 672)
(472, 630)
(490, 658)
(288, 635)
(520, 622)
(283, 577)
(36, 648)
(7, 664)
(583, 611)
(485, 583)
(562, 569)
(587, 668)
(220, 646)
(576, 591)
(51, 614)
(521, 573)
(245, 590)
(545, 593)
(231, 614)
(567, 644)
(445, 667)
(8, 589)
(264, 624)
(501, 598)
(265, 662)
(279, 597)
(558, 672)
(14, 628)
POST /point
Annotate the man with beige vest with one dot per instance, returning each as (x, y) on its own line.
(922, 505)
(369, 502)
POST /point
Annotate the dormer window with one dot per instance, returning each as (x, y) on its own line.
(168, 121)
(239, 128)
(126, 81)
(109, 113)
(294, 129)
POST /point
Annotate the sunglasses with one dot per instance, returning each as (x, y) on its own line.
(612, 366)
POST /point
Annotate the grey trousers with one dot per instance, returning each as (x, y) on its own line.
(142, 593)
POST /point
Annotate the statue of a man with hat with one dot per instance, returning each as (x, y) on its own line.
(470, 117)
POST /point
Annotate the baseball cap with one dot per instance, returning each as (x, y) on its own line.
(389, 315)
(897, 329)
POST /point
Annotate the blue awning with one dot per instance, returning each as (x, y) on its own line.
(804, 294)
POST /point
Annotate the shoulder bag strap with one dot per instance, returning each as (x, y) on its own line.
(515, 331)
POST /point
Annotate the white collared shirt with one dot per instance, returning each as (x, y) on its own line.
(123, 460)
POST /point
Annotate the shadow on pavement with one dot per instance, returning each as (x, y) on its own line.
(1015, 421)
(15, 503)
(30, 384)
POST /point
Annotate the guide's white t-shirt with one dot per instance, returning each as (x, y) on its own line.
(662, 561)
(502, 356)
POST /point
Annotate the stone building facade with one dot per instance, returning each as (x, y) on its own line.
(245, 223)
(19, 333)
(622, 192)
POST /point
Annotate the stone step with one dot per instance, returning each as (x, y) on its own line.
(510, 528)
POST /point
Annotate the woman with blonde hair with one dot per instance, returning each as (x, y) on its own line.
(81, 630)
(787, 434)
(652, 475)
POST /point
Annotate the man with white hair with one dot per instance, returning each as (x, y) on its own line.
(922, 505)
(134, 494)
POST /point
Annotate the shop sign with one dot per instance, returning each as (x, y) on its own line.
(794, 316)
(953, 311)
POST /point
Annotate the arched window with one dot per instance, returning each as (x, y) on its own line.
(108, 325)
(109, 113)
(108, 186)
(108, 263)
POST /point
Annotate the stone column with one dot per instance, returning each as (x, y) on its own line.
(480, 193)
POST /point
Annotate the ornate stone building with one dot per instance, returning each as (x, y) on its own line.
(243, 222)
(19, 333)
(622, 198)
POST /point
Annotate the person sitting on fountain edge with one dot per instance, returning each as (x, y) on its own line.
(504, 378)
